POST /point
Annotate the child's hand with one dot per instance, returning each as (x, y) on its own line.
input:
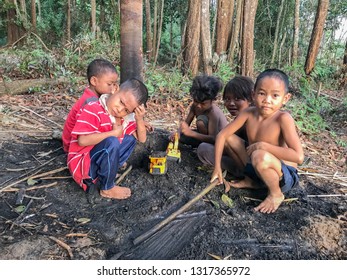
(185, 129)
(217, 174)
(139, 112)
(117, 129)
(149, 127)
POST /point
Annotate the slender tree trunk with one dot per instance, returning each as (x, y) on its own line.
(345, 55)
(236, 31)
(14, 30)
(155, 28)
(102, 15)
(230, 22)
(296, 32)
(160, 24)
(280, 50)
(247, 50)
(275, 43)
(192, 38)
(38, 8)
(206, 37)
(222, 33)
(148, 31)
(68, 21)
(214, 24)
(93, 17)
(131, 39)
(316, 37)
(33, 15)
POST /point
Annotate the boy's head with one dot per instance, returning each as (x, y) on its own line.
(131, 94)
(205, 88)
(237, 94)
(102, 76)
(271, 90)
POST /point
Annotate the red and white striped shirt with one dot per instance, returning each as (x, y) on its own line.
(92, 118)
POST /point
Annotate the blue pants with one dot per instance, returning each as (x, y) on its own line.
(107, 156)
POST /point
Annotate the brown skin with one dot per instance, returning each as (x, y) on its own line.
(216, 119)
(119, 105)
(105, 83)
(272, 137)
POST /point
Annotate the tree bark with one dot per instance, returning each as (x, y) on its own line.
(206, 37)
(316, 37)
(222, 30)
(14, 30)
(236, 31)
(148, 31)
(155, 27)
(33, 15)
(247, 50)
(131, 39)
(68, 21)
(296, 32)
(192, 39)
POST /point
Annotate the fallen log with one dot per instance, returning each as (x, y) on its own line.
(23, 86)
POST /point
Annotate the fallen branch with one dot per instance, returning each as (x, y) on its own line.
(33, 177)
(153, 230)
(125, 173)
(64, 245)
(32, 188)
(57, 124)
(326, 195)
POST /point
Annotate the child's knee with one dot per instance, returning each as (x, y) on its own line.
(261, 159)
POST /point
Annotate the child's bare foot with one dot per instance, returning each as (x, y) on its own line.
(116, 193)
(246, 183)
(270, 204)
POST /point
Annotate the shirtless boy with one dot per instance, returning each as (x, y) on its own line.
(273, 151)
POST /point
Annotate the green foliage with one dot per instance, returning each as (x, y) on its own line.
(224, 72)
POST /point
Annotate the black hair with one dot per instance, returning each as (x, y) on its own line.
(273, 73)
(241, 87)
(205, 88)
(98, 67)
(138, 88)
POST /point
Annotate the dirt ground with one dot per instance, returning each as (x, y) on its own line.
(57, 220)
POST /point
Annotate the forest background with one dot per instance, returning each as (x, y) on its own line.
(49, 42)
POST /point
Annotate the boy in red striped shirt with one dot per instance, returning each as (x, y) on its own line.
(104, 137)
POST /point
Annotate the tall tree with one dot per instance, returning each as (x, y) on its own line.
(155, 27)
(206, 37)
(33, 14)
(131, 56)
(68, 21)
(223, 25)
(316, 37)
(296, 32)
(236, 31)
(14, 29)
(247, 49)
(93, 17)
(275, 43)
(192, 38)
(160, 25)
(148, 31)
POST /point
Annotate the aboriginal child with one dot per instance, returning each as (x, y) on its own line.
(273, 151)
(102, 78)
(237, 96)
(210, 119)
(104, 137)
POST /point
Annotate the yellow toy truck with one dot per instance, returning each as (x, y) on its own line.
(157, 163)
(172, 151)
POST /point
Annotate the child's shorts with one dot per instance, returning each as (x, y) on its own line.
(290, 177)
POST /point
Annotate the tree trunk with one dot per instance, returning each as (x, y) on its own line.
(33, 15)
(296, 32)
(206, 37)
(316, 37)
(222, 30)
(275, 43)
(68, 21)
(148, 31)
(214, 24)
(155, 25)
(247, 53)
(93, 17)
(192, 39)
(160, 24)
(102, 15)
(236, 31)
(14, 30)
(345, 56)
(131, 62)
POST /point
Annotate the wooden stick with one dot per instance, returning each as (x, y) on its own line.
(121, 177)
(326, 195)
(33, 177)
(57, 124)
(32, 188)
(64, 245)
(153, 230)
